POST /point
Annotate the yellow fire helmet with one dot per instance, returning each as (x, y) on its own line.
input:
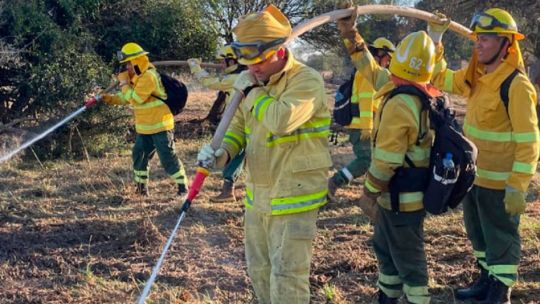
(130, 51)
(259, 35)
(495, 21)
(225, 52)
(414, 58)
(384, 44)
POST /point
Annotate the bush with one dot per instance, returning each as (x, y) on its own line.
(65, 49)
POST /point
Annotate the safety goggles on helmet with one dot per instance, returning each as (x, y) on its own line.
(123, 57)
(488, 22)
(252, 50)
(379, 52)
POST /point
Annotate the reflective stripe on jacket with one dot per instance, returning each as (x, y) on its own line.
(151, 114)
(283, 127)
(507, 141)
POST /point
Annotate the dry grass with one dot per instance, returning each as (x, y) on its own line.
(74, 232)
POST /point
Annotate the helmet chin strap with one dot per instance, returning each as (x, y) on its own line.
(496, 56)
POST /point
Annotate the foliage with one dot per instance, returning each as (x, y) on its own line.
(55, 53)
(526, 13)
(224, 14)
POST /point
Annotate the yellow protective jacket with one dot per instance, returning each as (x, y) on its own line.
(151, 114)
(373, 74)
(395, 136)
(283, 127)
(224, 84)
(395, 133)
(362, 97)
(508, 142)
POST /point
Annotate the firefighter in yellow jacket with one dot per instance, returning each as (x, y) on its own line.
(507, 138)
(232, 69)
(398, 239)
(282, 123)
(141, 88)
(361, 126)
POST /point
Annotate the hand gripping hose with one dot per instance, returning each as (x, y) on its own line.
(185, 63)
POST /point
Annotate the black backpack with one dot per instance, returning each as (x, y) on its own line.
(442, 187)
(505, 89)
(177, 93)
(344, 109)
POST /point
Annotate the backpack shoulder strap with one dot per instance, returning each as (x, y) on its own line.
(425, 105)
(409, 90)
(159, 78)
(505, 88)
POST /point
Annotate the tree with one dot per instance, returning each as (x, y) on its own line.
(526, 13)
(224, 14)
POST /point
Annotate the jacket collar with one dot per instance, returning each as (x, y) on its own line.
(291, 61)
(497, 77)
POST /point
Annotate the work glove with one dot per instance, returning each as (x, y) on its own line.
(347, 26)
(365, 134)
(347, 29)
(369, 207)
(194, 65)
(195, 68)
(90, 102)
(123, 78)
(244, 81)
(207, 155)
(514, 201)
(436, 30)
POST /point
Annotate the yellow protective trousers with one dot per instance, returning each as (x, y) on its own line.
(278, 255)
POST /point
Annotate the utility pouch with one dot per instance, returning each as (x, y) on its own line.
(407, 180)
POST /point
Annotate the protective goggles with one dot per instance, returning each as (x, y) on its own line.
(379, 52)
(123, 56)
(488, 22)
(252, 50)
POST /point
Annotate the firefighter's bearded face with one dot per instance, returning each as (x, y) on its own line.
(270, 66)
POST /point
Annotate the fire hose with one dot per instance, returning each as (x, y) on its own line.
(204, 168)
(56, 126)
(185, 63)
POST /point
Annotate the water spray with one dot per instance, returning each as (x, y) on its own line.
(28, 143)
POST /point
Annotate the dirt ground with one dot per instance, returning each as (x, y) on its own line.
(74, 232)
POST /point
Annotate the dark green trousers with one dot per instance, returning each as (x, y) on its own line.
(360, 164)
(493, 233)
(144, 149)
(398, 242)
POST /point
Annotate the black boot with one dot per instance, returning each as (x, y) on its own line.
(384, 299)
(227, 193)
(142, 189)
(181, 189)
(478, 290)
(332, 188)
(498, 293)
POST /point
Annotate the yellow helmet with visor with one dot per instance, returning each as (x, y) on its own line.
(495, 21)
